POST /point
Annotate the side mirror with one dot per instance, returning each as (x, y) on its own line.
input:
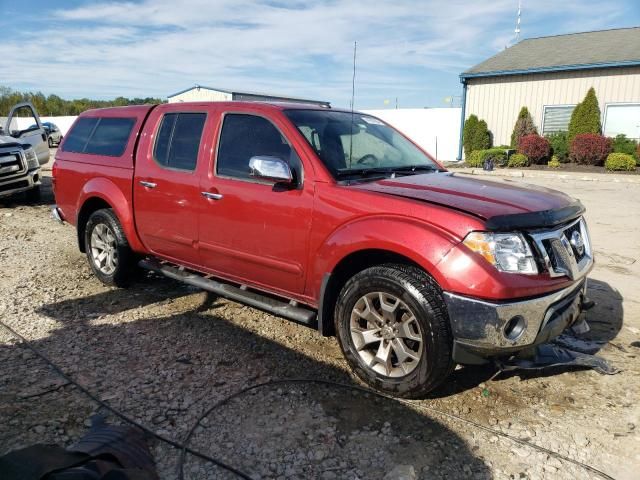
(269, 168)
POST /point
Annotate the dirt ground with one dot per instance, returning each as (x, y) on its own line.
(164, 353)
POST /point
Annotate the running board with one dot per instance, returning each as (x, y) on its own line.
(288, 310)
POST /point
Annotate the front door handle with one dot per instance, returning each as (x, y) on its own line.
(148, 184)
(212, 196)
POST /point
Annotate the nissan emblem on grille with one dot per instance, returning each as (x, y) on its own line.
(577, 242)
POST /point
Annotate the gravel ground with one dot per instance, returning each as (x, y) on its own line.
(163, 353)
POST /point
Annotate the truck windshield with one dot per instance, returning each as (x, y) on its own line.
(359, 145)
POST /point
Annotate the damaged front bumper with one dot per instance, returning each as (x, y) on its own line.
(20, 184)
(483, 329)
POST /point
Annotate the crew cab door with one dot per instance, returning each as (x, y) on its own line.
(254, 231)
(23, 124)
(167, 180)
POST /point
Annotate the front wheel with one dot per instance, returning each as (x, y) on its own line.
(107, 248)
(394, 331)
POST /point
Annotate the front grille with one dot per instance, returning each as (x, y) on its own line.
(565, 251)
(11, 164)
(14, 185)
(568, 233)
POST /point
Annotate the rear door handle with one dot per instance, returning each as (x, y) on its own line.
(148, 184)
(212, 196)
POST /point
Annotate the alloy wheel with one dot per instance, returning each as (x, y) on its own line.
(386, 334)
(104, 250)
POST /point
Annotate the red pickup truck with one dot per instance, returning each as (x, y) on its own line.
(332, 219)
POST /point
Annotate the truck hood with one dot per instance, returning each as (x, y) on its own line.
(502, 204)
(6, 139)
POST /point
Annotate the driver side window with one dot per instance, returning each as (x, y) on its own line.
(23, 119)
(244, 136)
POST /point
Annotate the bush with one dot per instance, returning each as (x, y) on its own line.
(518, 160)
(586, 116)
(475, 135)
(474, 159)
(524, 126)
(535, 147)
(478, 157)
(559, 143)
(622, 144)
(554, 162)
(590, 149)
(638, 154)
(620, 161)
(496, 155)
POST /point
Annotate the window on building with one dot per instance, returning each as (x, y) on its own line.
(178, 140)
(556, 118)
(623, 119)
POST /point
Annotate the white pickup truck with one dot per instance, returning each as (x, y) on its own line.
(22, 152)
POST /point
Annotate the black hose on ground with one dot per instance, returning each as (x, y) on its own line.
(122, 416)
(183, 446)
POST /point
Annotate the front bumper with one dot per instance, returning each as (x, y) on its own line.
(484, 329)
(20, 184)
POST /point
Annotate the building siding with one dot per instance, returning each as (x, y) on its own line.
(498, 100)
(200, 95)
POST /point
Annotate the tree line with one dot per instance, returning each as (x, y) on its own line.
(53, 105)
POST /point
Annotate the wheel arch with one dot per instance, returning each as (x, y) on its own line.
(370, 241)
(346, 268)
(91, 204)
(103, 193)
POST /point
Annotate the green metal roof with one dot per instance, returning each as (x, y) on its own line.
(575, 51)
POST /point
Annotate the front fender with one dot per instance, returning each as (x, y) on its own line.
(419, 241)
(111, 193)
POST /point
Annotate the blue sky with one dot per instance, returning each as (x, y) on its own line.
(407, 49)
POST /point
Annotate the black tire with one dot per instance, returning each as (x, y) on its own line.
(124, 257)
(50, 142)
(423, 297)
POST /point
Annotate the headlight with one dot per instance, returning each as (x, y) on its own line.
(508, 252)
(32, 158)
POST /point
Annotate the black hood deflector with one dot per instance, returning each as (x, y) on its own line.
(531, 220)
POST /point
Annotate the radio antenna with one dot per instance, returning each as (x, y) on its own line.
(353, 96)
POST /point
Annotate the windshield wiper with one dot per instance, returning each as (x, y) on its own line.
(416, 168)
(366, 172)
(345, 172)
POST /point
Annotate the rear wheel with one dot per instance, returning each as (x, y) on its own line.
(107, 248)
(394, 331)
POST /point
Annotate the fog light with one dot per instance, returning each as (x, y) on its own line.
(514, 328)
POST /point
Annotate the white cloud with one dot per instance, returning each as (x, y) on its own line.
(160, 46)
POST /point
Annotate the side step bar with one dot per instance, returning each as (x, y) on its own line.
(271, 305)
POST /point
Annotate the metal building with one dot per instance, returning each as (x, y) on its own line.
(200, 93)
(550, 75)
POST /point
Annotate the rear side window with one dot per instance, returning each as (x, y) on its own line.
(110, 137)
(100, 136)
(79, 135)
(178, 140)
